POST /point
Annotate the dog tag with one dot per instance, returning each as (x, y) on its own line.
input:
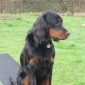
(48, 46)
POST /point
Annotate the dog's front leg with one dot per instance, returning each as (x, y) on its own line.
(30, 72)
(26, 76)
(21, 77)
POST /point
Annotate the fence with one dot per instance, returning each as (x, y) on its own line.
(24, 6)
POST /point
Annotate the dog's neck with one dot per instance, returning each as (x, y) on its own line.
(45, 48)
(46, 44)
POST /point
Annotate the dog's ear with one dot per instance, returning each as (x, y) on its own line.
(30, 38)
(40, 30)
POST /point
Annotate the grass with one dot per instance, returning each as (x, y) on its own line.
(1, 83)
(69, 66)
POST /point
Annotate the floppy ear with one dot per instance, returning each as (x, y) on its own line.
(30, 38)
(40, 30)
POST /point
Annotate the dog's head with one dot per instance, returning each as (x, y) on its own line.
(56, 29)
(49, 25)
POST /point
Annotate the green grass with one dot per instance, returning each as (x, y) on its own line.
(1, 83)
(69, 66)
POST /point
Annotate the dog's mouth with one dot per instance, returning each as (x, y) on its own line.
(56, 39)
(59, 35)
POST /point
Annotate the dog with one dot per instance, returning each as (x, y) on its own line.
(37, 56)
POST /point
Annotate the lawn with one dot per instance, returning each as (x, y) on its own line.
(1, 83)
(69, 66)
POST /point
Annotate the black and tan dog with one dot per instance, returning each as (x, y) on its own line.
(37, 56)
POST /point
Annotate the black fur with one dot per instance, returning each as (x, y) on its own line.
(36, 44)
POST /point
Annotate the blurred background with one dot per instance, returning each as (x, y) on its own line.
(70, 7)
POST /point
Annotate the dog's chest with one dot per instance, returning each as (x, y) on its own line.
(42, 65)
(43, 68)
(42, 59)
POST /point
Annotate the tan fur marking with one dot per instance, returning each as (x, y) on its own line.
(26, 81)
(56, 34)
(35, 60)
(45, 81)
(50, 59)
